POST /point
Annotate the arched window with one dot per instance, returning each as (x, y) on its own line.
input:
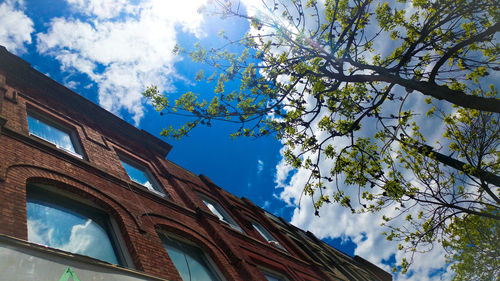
(62, 223)
(190, 261)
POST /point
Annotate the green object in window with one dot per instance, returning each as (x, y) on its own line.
(69, 273)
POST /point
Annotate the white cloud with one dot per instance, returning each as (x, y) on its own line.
(363, 229)
(266, 204)
(102, 9)
(72, 84)
(87, 239)
(15, 27)
(122, 47)
(282, 171)
(260, 166)
(38, 232)
(80, 239)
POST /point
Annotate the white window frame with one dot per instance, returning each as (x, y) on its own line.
(149, 175)
(52, 123)
(266, 235)
(226, 218)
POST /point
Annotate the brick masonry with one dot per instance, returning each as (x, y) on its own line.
(100, 180)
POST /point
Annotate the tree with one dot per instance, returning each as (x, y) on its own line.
(315, 77)
(475, 247)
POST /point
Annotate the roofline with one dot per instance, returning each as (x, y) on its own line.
(17, 72)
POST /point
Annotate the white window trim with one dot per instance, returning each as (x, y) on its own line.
(227, 219)
(71, 133)
(267, 235)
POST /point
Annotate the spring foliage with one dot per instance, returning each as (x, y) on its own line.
(315, 75)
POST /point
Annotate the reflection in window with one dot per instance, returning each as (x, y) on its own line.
(190, 261)
(67, 225)
(141, 175)
(264, 233)
(52, 133)
(217, 210)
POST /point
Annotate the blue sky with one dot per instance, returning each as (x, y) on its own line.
(110, 51)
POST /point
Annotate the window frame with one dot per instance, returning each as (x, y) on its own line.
(147, 172)
(59, 125)
(57, 199)
(214, 269)
(226, 217)
(267, 235)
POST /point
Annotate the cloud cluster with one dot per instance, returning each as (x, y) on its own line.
(15, 27)
(102, 9)
(122, 47)
(364, 230)
(87, 239)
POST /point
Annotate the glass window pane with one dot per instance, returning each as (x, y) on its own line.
(263, 232)
(221, 214)
(51, 134)
(273, 217)
(136, 175)
(214, 210)
(271, 278)
(189, 261)
(61, 228)
(140, 176)
(268, 236)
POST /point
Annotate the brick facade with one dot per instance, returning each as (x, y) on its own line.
(99, 179)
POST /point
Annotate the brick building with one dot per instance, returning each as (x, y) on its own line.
(87, 196)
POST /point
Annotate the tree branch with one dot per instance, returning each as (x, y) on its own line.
(434, 90)
(451, 51)
(459, 165)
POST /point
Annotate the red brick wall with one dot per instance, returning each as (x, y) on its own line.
(101, 179)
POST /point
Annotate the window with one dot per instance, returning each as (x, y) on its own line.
(272, 276)
(58, 222)
(217, 210)
(274, 218)
(190, 261)
(264, 233)
(141, 175)
(46, 129)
